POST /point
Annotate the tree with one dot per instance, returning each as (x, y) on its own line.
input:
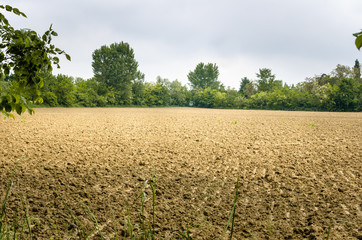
(48, 91)
(357, 70)
(23, 54)
(115, 66)
(325, 79)
(341, 72)
(156, 94)
(65, 90)
(86, 92)
(138, 89)
(342, 95)
(204, 76)
(204, 97)
(243, 83)
(265, 81)
(234, 99)
(249, 90)
(178, 93)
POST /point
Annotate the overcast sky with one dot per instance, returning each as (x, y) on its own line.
(296, 39)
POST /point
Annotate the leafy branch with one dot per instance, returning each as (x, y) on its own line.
(23, 55)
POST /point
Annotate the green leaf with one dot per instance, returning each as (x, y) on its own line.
(8, 108)
(41, 83)
(39, 100)
(6, 71)
(16, 11)
(23, 100)
(56, 60)
(6, 22)
(68, 57)
(6, 114)
(17, 98)
(18, 109)
(358, 42)
(54, 34)
(8, 8)
(30, 111)
(356, 34)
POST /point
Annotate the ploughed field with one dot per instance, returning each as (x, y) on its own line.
(300, 172)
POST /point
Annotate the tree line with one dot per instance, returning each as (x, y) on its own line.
(117, 81)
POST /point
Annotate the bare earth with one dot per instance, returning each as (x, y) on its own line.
(300, 172)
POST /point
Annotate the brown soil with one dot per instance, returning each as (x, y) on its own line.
(300, 172)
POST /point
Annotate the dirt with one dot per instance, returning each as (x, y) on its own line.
(299, 172)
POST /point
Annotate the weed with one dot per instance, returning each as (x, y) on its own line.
(83, 234)
(232, 214)
(328, 231)
(311, 124)
(94, 220)
(145, 228)
(185, 235)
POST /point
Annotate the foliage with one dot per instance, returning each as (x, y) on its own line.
(138, 91)
(204, 76)
(179, 94)
(249, 90)
(342, 71)
(50, 98)
(357, 70)
(86, 92)
(156, 94)
(244, 81)
(204, 97)
(23, 54)
(344, 96)
(115, 66)
(65, 90)
(265, 80)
